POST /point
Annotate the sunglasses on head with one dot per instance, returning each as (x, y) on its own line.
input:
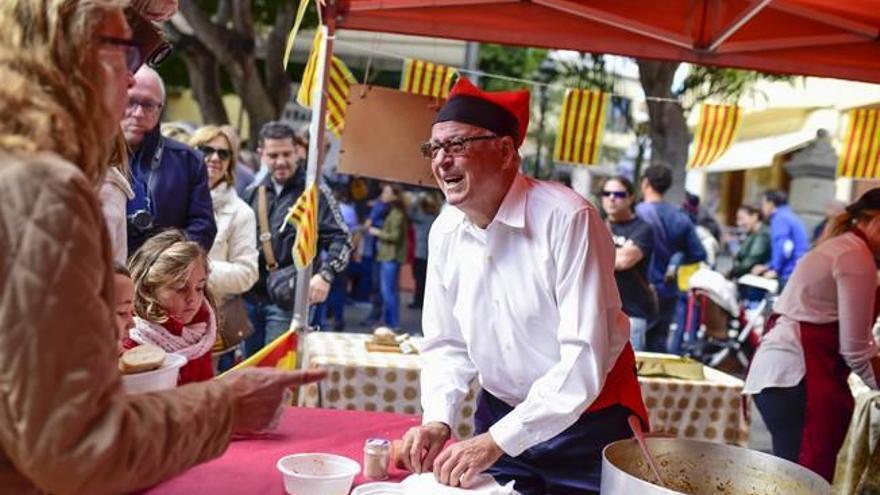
(221, 153)
(615, 194)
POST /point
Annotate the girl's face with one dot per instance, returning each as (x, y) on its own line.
(183, 302)
(124, 310)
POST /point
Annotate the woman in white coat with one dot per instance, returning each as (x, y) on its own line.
(234, 253)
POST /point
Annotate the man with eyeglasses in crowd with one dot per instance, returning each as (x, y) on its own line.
(169, 181)
(634, 242)
(520, 292)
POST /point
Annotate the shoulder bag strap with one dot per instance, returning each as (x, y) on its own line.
(265, 233)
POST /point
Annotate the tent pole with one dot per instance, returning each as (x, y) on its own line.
(300, 319)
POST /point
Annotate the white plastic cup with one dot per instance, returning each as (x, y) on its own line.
(317, 474)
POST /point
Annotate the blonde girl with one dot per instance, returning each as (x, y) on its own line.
(173, 310)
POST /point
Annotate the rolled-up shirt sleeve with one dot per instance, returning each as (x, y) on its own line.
(447, 369)
(856, 318)
(590, 336)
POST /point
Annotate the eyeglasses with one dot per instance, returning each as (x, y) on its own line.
(615, 194)
(456, 146)
(133, 56)
(222, 154)
(149, 106)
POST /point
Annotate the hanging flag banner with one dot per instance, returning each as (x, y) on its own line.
(860, 154)
(338, 87)
(304, 216)
(291, 37)
(426, 78)
(716, 131)
(581, 126)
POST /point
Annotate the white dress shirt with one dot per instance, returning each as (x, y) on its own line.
(528, 304)
(836, 281)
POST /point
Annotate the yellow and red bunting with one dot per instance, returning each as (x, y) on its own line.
(279, 354)
(426, 78)
(338, 87)
(716, 131)
(860, 154)
(581, 126)
(304, 216)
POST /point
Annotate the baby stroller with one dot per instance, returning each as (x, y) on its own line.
(727, 330)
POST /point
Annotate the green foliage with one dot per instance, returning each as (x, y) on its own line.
(726, 84)
(588, 71)
(508, 61)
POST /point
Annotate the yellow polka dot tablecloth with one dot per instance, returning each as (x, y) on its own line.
(375, 381)
(710, 409)
(370, 381)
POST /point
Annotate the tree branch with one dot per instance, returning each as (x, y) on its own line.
(243, 18)
(216, 38)
(277, 80)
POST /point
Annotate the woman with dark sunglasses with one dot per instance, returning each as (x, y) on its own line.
(234, 253)
(634, 243)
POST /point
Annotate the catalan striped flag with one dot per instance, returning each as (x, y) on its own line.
(716, 131)
(426, 78)
(279, 354)
(581, 126)
(860, 157)
(304, 216)
(337, 90)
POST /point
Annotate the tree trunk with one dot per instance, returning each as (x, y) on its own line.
(668, 127)
(204, 77)
(250, 88)
(234, 49)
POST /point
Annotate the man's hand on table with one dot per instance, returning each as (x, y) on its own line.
(421, 444)
(257, 394)
(461, 462)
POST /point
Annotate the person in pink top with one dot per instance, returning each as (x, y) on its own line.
(819, 333)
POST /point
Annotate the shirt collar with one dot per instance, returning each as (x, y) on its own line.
(512, 211)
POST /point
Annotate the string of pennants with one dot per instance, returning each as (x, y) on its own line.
(582, 120)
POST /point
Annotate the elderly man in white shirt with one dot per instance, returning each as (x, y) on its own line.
(520, 293)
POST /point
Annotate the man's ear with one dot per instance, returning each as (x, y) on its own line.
(508, 149)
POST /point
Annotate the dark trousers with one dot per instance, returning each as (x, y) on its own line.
(420, 271)
(567, 464)
(783, 412)
(658, 328)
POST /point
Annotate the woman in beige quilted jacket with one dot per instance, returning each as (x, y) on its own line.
(65, 424)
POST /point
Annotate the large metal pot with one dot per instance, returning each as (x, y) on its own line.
(695, 467)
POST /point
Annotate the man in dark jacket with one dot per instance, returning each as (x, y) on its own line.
(674, 237)
(170, 182)
(283, 152)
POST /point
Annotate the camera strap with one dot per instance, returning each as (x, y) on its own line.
(265, 233)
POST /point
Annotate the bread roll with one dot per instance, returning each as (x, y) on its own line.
(384, 336)
(140, 359)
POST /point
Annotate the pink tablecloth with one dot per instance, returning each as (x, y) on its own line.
(248, 466)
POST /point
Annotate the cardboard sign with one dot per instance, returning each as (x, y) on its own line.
(384, 128)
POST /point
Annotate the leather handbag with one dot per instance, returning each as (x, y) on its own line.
(280, 282)
(233, 324)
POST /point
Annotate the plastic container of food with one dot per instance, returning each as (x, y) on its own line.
(163, 378)
(317, 474)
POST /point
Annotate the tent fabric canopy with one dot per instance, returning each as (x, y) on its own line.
(827, 38)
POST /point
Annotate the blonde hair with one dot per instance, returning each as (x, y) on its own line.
(166, 259)
(208, 133)
(50, 99)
